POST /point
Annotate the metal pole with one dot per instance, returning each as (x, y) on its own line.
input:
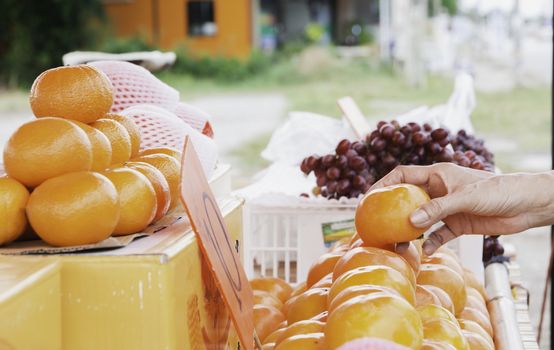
(552, 227)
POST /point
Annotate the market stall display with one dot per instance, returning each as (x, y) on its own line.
(357, 290)
(82, 160)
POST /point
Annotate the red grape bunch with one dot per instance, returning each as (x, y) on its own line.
(356, 165)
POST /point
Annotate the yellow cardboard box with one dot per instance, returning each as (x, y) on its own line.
(30, 304)
(153, 294)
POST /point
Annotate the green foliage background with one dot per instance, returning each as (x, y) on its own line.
(34, 35)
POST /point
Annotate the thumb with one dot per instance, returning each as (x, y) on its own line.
(438, 208)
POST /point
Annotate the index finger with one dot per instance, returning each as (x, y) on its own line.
(412, 174)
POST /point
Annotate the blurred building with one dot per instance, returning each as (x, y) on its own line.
(234, 28)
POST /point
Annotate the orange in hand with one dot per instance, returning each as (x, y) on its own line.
(81, 92)
(383, 215)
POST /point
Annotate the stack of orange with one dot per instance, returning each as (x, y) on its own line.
(358, 291)
(76, 174)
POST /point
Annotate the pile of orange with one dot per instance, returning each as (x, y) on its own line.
(76, 174)
(361, 291)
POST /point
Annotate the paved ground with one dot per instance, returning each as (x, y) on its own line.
(237, 119)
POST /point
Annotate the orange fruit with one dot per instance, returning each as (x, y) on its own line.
(425, 297)
(446, 260)
(81, 93)
(13, 199)
(101, 147)
(413, 256)
(74, 209)
(274, 286)
(137, 200)
(477, 316)
(264, 298)
(476, 341)
(301, 327)
(475, 293)
(272, 338)
(444, 298)
(355, 291)
(322, 317)
(170, 168)
(379, 275)
(476, 303)
(45, 148)
(307, 305)
(162, 150)
(446, 279)
(472, 281)
(158, 181)
(325, 282)
(312, 341)
(429, 312)
(266, 320)
(299, 289)
(377, 315)
(365, 256)
(383, 215)
(119, 139)
(322, 267)
(439, 329)
(132, 129)
(474, 327)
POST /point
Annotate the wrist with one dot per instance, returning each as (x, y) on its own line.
(538, 189)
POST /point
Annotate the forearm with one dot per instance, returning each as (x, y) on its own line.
(525, 195)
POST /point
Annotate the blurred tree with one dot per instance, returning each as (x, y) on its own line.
(451, 6)
(34, 35)
(435, 7)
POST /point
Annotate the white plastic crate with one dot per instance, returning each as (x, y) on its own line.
(284, 241)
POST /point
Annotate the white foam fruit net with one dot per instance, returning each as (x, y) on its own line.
(195, 117)
(134, 85)
(161, 128)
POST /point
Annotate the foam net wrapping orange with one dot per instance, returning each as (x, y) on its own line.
(134, 85)
(193, 116)
(162, 128)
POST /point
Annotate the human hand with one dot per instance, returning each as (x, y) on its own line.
(471, 201)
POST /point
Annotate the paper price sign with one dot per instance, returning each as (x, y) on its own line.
(224, 263)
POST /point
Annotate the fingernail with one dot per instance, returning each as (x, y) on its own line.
(428, 247)
(419, 217)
